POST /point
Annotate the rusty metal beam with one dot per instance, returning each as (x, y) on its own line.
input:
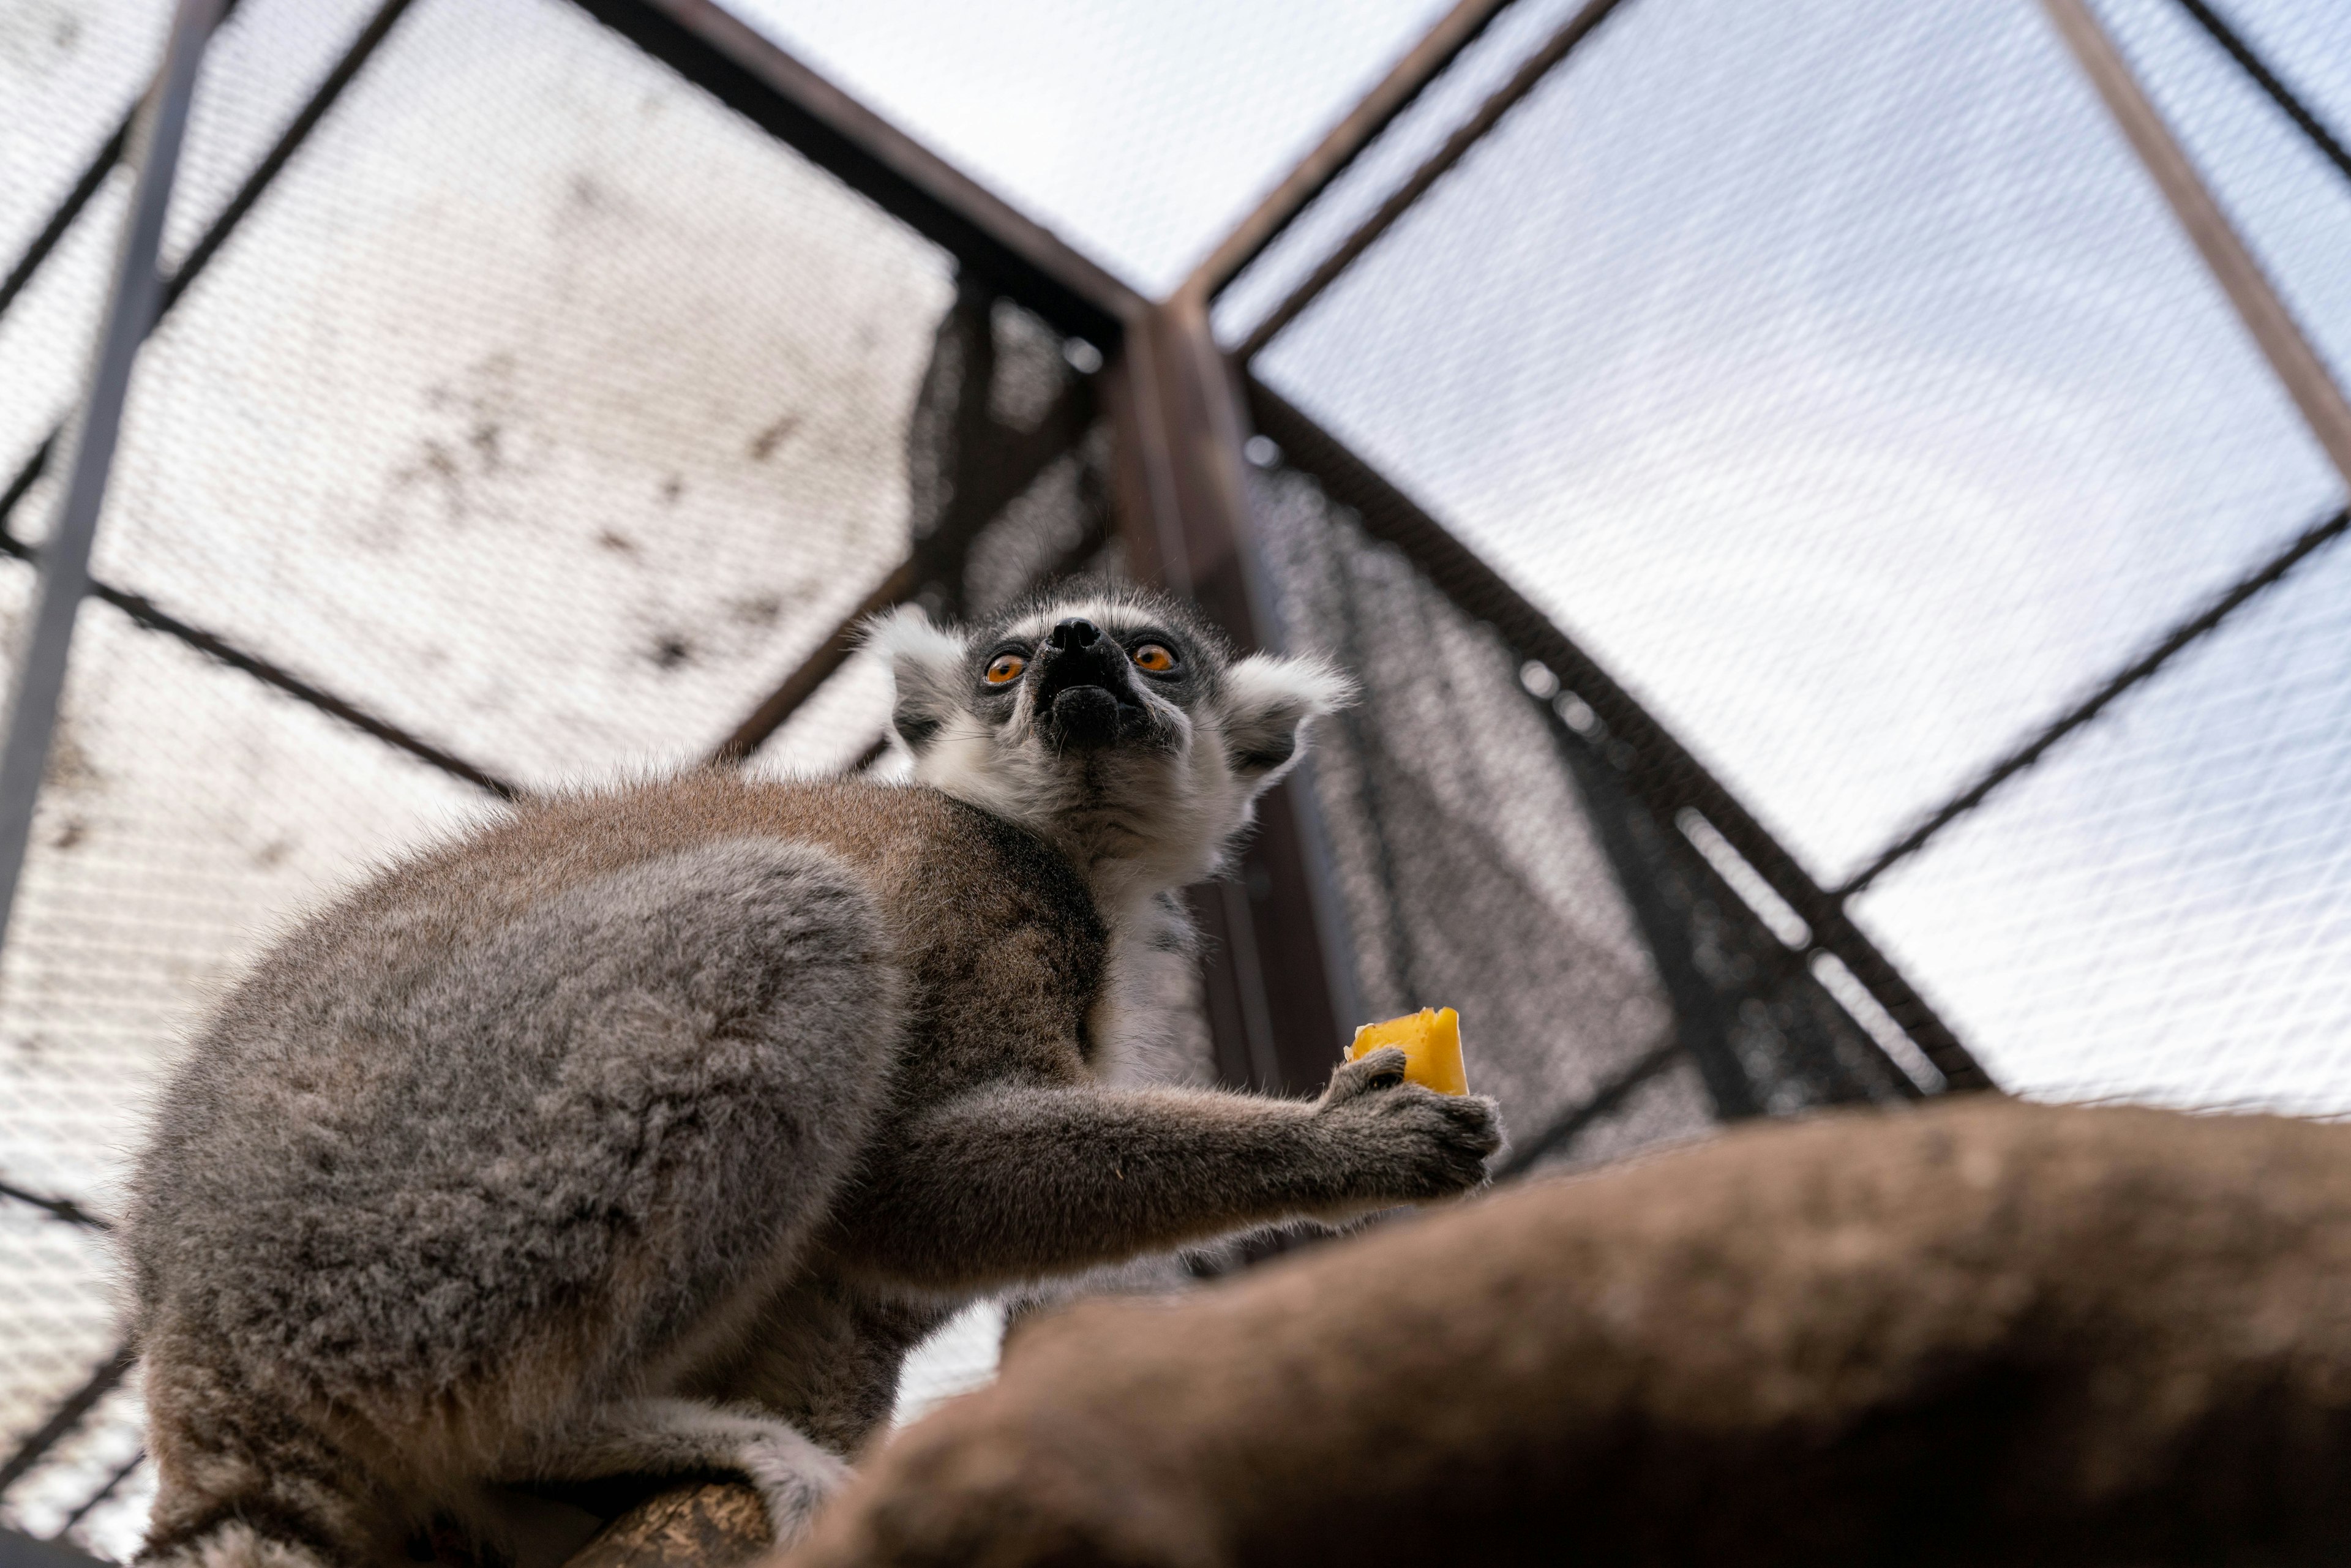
(1655, 764)
(1018, 258)
(1397, 91)
(1279, 983)
(1522, 82)
(2280, 337)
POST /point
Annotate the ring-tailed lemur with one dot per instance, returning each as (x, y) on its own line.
(645, 1132)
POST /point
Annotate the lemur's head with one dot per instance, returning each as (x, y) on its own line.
(1115, 722)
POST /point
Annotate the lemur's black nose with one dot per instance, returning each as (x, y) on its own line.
(1076, 632)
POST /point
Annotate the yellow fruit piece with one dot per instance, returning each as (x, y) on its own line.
(1431, 1038)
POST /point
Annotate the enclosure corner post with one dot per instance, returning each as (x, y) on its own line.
(1279, 981)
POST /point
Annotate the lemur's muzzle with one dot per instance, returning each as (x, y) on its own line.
(1085, 691)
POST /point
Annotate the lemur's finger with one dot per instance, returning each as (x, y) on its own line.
(1375, 1070)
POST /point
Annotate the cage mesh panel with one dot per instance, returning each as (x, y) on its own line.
(55, 1316)
(545, 407)
(69, 1479)
(1859, 432)
(1141, 134)
(1481, 859)
(256, 75)
(69, 70)
(2292, 206)
(2163, 907)
(1863, 433)
(1384, 165)
(187, 811)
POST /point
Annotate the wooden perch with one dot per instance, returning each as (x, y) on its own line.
(705, 1524)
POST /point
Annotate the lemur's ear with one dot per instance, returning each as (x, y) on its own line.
(927, 665)
(1269, 702)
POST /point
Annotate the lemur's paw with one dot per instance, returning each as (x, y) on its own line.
(1373, 1071)
(1408, 1144)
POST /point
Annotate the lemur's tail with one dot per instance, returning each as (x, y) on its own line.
(235, 1543)
(246, 1484)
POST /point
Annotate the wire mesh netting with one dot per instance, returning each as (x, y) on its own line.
(1482, 852)
(1142, 133)
(1831, 370)
(541, 409)
(1864, 433)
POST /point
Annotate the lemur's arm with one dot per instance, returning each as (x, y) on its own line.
(1017, 1181)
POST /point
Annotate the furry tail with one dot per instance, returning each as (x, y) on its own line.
(234, 1542)
(244, 1481)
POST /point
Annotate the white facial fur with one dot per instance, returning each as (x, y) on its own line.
(1138, 818)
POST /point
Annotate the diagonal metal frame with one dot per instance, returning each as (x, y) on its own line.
(66, 212)
(2108, 692)
(63, 1209)
(2320, 136)
(1397, 91)
(1655, 766)
(1018, 258)
(102, 1381)
(1018, 462)
(1529, 75)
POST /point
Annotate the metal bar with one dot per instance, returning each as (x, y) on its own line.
(1537, 65)
(2328, 144)
(289, 140)
(1337, 152)
(2232, 266)
(131, 308)
(1023, 261)
(63, 1209)
(1610, 1095)
(2137, 670)
(26, 476)
(1643, 851)
(1658, 767)
(107, 1488)
(93, 176)
(145, 614)
(225, 223)
(1281, 981)
(101, 164)
(812, 672)
(66, 1417)
(1014, 465)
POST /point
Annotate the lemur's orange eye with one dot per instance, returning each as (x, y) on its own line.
(1153, 657)
(1005, 668)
